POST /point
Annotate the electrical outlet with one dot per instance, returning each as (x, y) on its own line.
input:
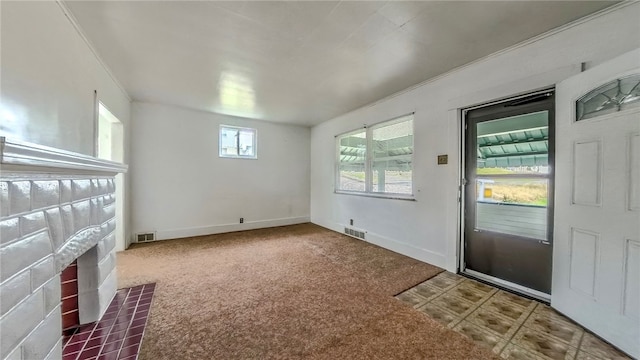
(351, 222)
(443, 159)
(241, 220)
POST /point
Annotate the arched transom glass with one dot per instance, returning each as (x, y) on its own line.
(614, 96)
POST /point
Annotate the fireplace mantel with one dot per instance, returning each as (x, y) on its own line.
(20, 156)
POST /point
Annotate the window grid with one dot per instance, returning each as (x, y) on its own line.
(237, 142)
(388, 156)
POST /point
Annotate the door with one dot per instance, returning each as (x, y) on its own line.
(596, 259)
(508, 204)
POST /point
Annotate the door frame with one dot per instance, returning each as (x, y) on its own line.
(462, 198)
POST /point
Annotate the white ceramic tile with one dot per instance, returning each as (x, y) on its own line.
(95, 187)
(56, 352)
(81, 215)
(13, 291)
(4, 198)
(67, 221)
(81, 189)
(32, 223)
(52, 293)
(103, 186)
(45, 194)
(105, 246)
(16, 354)
(93, 303)
(79, 244)
(19, 196)
(111, 185)
(42, 272)
(9, 230)
(107, 212)
(23, 253)
(56, 229)
(66, 195)
(44, 338)
(108, 199)
(96, 204)
(15, 325)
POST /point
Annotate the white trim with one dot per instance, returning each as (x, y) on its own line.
(74, 22)
(379, 195)
(226, 228)
(509, 285)
(394, 245)
(19, 156)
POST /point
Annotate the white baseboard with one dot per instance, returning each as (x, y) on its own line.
(394, 245)
(225, 228)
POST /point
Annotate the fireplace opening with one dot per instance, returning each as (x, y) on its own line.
(69, 298)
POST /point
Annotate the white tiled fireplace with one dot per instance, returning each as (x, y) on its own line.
(55, 207)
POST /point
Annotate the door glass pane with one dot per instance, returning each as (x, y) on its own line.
(514, 145)
(516, 206)
(351, 162)
(512, 185)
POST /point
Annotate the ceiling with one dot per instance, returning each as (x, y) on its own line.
(301, 62)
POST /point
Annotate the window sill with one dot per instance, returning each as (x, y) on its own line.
(238, 157)
(377, 195)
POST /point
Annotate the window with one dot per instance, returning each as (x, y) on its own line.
(614, 96)
(377, 160)
(237, 142)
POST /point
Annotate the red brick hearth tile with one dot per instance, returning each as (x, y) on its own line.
(118, 335)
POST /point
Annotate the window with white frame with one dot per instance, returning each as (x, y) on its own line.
(238, 142)
(377, 160)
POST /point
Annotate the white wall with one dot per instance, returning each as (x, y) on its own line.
(180, 187)
(426, 229)
(48, 75)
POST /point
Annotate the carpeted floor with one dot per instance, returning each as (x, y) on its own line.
(290, 292)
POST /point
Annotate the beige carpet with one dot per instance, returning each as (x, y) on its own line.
(290, 292)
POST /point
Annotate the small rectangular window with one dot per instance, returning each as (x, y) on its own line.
(237, 142)
(377, 160)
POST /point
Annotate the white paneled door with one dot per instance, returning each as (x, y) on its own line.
(596, 251)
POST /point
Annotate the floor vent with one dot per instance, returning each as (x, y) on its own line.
(354, 233)
(146, 237)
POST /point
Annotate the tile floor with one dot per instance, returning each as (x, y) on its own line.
(118, 334)
(512, 326)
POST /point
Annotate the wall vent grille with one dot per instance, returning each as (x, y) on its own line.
(146, 237)
(354, 233)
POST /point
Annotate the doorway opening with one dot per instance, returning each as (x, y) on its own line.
(508, 196)
(110, 144)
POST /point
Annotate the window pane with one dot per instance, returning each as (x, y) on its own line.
(391, 154)
(228, 142)
(514, 145)
(512, 206)
(351, 161)
(247, 143)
